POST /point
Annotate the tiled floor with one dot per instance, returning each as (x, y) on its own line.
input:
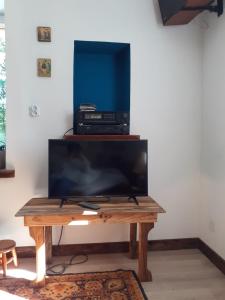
(177, 275)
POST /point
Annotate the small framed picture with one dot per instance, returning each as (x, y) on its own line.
(44, 34)
(44, 67)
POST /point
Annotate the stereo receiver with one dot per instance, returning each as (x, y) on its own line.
(98, 122)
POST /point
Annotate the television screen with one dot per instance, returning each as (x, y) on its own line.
(97, 168)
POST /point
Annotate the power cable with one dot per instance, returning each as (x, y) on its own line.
(67, 131)
(59, 269)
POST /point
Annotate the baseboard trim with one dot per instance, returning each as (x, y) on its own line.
(95, 248)
(114, 247)
(25, 251)
(173, 244)
(71, 249)
(215, 258)
(121, 247)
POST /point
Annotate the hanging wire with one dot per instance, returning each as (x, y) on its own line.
(60, 237)
(59, 269)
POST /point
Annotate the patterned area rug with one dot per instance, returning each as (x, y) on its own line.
(117, 285)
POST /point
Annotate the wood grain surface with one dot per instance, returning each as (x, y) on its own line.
(45, 206)
(47, 212)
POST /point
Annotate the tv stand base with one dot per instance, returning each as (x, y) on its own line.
(62, 202)
(134, 199)
(45, 214)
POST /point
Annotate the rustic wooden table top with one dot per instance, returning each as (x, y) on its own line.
(45, 206)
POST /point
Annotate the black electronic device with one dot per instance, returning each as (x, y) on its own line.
(122, 129)
(96, 122)
(97, 168)
(88, 205)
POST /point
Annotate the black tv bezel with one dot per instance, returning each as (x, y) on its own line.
(74, 198)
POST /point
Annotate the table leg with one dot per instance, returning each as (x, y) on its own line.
(14, 255)
(38, 234)
(133, 241)
(143, 272)
(48, 244)
(4, 264)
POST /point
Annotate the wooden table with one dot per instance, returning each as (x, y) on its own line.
(40, 214)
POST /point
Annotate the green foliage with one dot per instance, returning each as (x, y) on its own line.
(2, 90)
(2, 117)
(2, 95)
(2, 46)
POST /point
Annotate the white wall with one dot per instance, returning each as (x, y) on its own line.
(165, 105)
(213, 147)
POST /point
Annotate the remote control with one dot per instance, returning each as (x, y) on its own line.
(89, 205)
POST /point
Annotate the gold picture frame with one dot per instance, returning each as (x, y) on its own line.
(44, 34)
(44, 67)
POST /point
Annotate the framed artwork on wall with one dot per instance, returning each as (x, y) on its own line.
(44, 34)
(44, 67)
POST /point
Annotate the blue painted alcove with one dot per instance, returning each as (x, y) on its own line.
(102, 75)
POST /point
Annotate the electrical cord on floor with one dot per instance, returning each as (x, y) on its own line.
(63, 266)
(59, 269)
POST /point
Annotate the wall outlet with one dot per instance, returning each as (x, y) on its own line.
(34, 110)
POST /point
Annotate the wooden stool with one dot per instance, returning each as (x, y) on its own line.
(7, 246)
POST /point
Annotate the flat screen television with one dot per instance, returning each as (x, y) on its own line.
(97, 168)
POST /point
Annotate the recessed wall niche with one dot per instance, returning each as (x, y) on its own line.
(102, 75)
